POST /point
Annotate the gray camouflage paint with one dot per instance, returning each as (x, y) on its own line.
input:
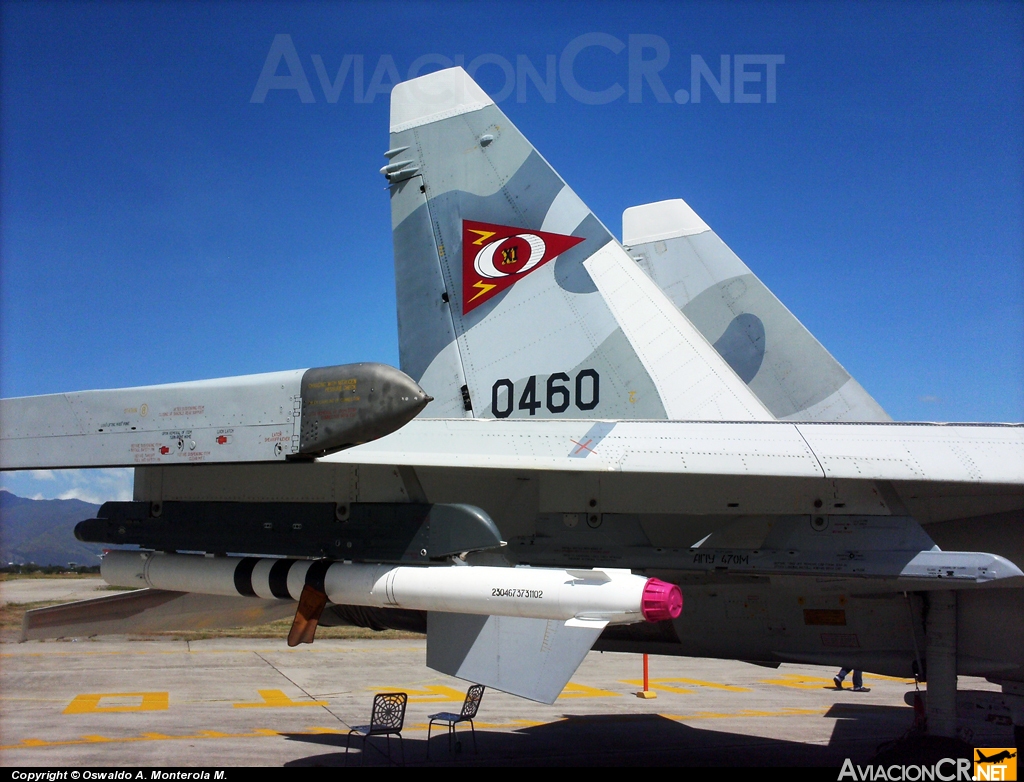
(792, 374)
(552, 320)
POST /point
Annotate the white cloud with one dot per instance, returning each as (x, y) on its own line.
(116, 477)
(81, 494)
(96, 486)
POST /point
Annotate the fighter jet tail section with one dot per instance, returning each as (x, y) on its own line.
(773, 353)
(513, 299)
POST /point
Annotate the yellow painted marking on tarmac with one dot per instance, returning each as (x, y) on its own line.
(888, 678)
(573, 690)
(431, 693)
(713, 685)
(801, 681)
(89, 703)
(510, 725)
(253, 734)
(668, 684)
(203, 734)
(658, 684)
(275, 699)
(712, 715)
(523, 723)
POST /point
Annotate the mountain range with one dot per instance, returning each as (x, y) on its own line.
(43, 531)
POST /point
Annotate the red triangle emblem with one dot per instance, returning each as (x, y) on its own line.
(496, 257)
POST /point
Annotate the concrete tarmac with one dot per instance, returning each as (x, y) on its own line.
(29, 590)
(227, 702)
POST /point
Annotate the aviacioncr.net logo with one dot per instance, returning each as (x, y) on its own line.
(995, 763)
(946, 770)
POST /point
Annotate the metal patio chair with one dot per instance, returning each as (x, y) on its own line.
(469, 708)
(386, 719)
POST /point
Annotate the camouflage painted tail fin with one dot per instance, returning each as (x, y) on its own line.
(513, 299)
(778, 358)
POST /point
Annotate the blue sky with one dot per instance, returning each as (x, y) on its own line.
(158, 225)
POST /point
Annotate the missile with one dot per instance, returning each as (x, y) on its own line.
(608, 595)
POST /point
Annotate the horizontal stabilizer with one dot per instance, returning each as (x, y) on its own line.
(150, 611)
(531, 658)
(252, 418)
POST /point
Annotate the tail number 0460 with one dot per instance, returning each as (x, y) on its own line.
(556, 395)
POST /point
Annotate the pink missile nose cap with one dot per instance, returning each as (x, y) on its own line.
(661, 600)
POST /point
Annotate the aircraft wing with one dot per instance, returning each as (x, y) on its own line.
(961, 453)
(253, 418)
(873, 484)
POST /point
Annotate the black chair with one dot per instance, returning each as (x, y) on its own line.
(386, 719)
(469, 708)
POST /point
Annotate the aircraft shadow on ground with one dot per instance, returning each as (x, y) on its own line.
(904, 746)
(631, 740)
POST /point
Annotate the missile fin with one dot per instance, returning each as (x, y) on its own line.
(311, 605)
(531, 658)
(587, 622)
(596, 575)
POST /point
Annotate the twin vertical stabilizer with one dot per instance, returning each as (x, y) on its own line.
(772, 352)
(513, 299)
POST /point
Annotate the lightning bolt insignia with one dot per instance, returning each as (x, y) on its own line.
(482, 286)
(484, 236)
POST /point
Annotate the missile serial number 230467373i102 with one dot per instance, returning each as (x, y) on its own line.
(627, 446)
